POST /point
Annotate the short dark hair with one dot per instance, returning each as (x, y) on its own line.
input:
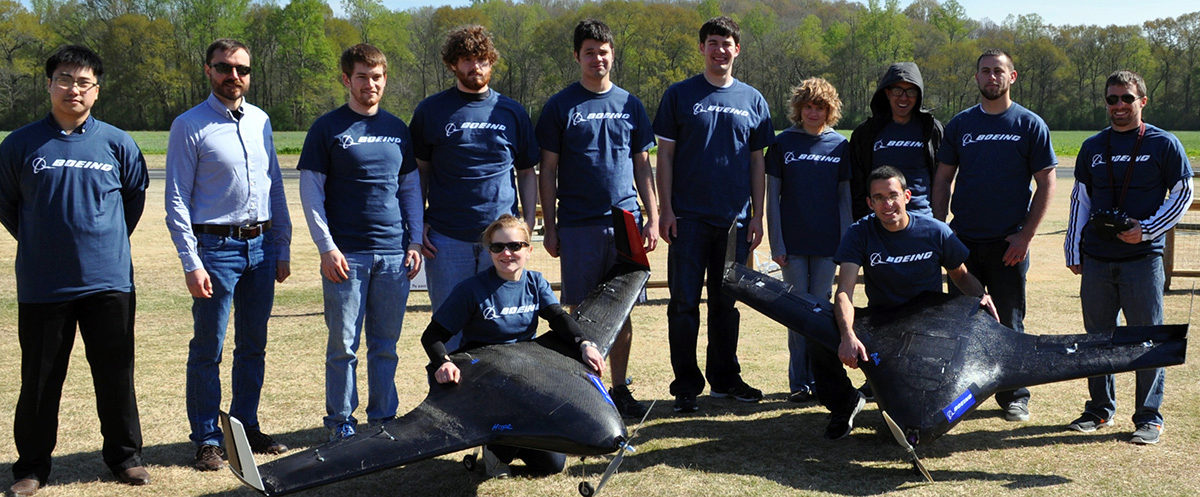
(74, 56)
(592, 29)
(721, 26)
(1127, 78)
(224, 45)
(365, 53)
(995, 52)
(469, 41)
(885, 173)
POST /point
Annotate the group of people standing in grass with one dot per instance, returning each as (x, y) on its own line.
(455, 192)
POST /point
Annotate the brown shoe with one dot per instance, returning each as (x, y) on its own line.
(25, 487)
(261, 443)
(209, 458)
(135, 476)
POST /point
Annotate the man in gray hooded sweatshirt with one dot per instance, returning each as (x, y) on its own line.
(900, 134)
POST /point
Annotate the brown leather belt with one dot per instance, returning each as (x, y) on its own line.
(246, 232)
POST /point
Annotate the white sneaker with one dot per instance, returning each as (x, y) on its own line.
(493, 466)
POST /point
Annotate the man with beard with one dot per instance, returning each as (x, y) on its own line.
(711, 130)
(72, 189)
(900, 134)
(229, 221)
(362, 200)
(1133, 182)
(468, 140)
(595, 140)
(991, 152)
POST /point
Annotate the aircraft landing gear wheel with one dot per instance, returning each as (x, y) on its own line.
(468, 461)
(585, 489)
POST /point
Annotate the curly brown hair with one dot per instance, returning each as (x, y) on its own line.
(469, 41)
(820, 92)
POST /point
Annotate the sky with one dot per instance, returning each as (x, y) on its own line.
(1057, 12)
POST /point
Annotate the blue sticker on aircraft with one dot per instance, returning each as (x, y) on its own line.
(474, 360)
(959, 407)
(600, 386)
(500, 427)
(875, 357)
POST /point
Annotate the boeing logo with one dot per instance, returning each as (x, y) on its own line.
(700, 108)
(452, 128)
(579, 117)
(1098, 159)
(348, 141)
(968, 138)
(39, 164)
(882, 144)
(791, 157)
(490, 313)
(878, 259)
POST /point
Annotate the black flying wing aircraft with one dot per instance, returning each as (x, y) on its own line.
(534, 394)
(940, 357)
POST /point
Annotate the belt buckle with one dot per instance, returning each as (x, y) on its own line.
(249, 231)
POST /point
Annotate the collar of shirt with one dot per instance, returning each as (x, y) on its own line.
(87, 124)
(219, 107)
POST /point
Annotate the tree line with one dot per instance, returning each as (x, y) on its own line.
(153, 52)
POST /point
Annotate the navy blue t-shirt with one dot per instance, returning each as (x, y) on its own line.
(363, 159)
(472, 147)
(902, 146)
(595, 136)
(71, 202)
(898, 266)
(997, 156)
(1160, 164)
(489, 309)
(809, 168)
(714, 130)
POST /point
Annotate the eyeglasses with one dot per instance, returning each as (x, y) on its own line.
(225, 68)
(497, 247)
(1127, 98)
(67, 82)
(897, 91)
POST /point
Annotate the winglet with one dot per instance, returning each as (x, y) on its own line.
(628, 238)
(241, 458)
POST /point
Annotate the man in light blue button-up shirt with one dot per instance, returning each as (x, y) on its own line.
(229, 221)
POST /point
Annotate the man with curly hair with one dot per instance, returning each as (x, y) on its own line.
(468, 140)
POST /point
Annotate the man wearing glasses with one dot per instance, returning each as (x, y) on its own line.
(900, 134)
(991, 152)
(72, 189)
(229, 221)
(1133, 182)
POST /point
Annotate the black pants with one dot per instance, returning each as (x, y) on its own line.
(833, 387)
(47, 333)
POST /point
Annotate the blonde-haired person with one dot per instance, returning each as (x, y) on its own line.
(501, 305)
(808, 206)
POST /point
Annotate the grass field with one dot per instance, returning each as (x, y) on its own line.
(1066, 143)
(773, 448)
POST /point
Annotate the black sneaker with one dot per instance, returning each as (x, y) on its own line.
(628, 406)
(261, 443)
(1088, 422)
(840, 423)
(1017, 411)
(803, 395)
(209, 458)
(686, 403)
(740, 391)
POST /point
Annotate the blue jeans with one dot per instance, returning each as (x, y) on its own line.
(455, 261)
(243, 274)
(814, 275)
(371, 299)
(1006, 284)
(1135, 289)
(699, 248)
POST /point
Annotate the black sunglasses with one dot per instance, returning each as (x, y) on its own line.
(225, 68)
(897, 91)
(497, 247)
(1127, 98)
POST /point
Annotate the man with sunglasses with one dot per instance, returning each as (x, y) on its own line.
(595, 140)
(229, 222)
(899, 133)
(990, 153)
(1133, 182)
(362, 199)
(72, 189)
